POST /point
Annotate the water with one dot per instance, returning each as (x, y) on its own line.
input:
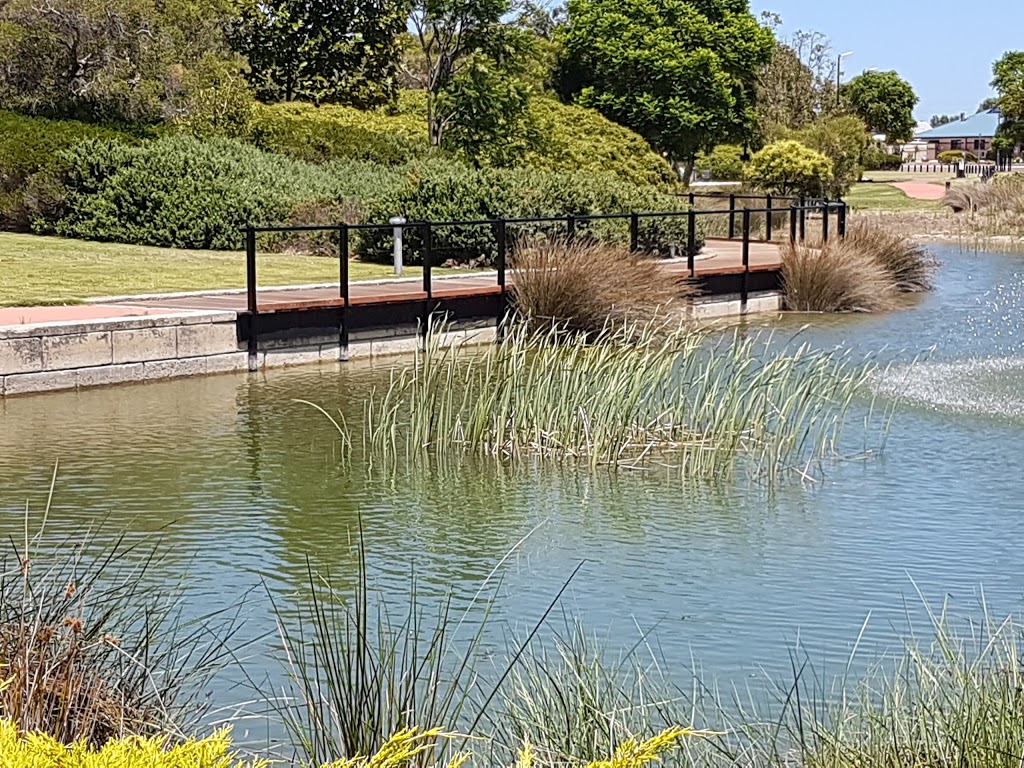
(242, 485)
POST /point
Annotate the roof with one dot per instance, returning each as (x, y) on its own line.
(981, 124)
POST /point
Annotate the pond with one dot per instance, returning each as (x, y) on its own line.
(242, 485)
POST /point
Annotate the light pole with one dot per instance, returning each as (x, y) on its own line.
(839, 73)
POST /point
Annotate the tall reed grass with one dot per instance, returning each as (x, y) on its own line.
(90, 653)
(632, 396)
(583, 285)
(990, 209)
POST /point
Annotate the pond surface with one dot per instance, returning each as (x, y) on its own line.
(242, 484)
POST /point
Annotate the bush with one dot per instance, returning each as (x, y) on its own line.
(789, 168)
(566, 284)
(42, 751)
(177, 191)
(877, 159)
(955, 155)
(448, 191)
(835, 277)
(320, 134)
(843, 140)
(910, 265)
(724, 162)
(28, 145)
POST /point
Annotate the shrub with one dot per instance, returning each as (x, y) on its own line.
(28, 145)
(724, 162)
(788, 167)
(835, 277)
(332, 132)
(955, 155)
(555, 282)
(448, 191)
(842, 140)
(877, 159)
(179, 192)
(41, 751)
(910, 265)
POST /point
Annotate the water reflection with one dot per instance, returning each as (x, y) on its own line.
(243, 485)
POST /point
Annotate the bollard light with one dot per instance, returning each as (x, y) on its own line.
(398, 222)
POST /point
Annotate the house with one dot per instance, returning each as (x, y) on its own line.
(973, 134)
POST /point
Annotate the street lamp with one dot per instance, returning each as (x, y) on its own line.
(839, 73)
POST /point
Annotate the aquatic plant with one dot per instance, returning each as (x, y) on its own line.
(88, 653)
(629, 396)
(835, 277)
(910, 264)
(584, 284)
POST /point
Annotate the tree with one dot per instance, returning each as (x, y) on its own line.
(681, 74)
(938, 120)
(789, 168)
(843, 141)
(340, 51)
(885, 102)
(787, 96)
(134, 61)
(1008, 81)
(989, 104)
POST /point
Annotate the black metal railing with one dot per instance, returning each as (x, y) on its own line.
(740, 225)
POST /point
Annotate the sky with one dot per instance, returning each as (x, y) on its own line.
(945, 49)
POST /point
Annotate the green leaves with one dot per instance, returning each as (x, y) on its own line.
(1009, 83)
(679, 73)
(789, 168)
(885, 102)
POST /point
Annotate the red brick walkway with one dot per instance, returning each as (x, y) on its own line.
(921, 190)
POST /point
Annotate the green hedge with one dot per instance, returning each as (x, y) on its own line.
(955, 155)
(178, 191)
(28, 145)
(443, 192)
(724, 162)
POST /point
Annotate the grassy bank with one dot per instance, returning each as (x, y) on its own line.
(38, 270)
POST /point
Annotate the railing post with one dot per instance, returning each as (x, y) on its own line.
(570, 225)
(428, 263)
(841, 219)
(691, 240)
(768, 219)
(252, 301)
(803, 218)
(693, 199)
(732, 215)
(501, 236)
(792, 221)
(745, 290)
(343, 286)
(824, 220)
(634, 232)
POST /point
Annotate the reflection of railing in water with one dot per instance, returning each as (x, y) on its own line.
(740, 228)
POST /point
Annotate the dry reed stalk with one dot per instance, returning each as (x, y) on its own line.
(911, 265)
(835, 277)
(584, 285)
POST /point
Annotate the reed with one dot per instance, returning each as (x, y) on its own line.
(583, 285)
(910, 265)
(837, 276)
(89, 653)
(631, 396)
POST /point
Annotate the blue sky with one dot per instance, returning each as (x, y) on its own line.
(945, 49)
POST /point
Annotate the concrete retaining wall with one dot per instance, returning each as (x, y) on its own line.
(87, 353)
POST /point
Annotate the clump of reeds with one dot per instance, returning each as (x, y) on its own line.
(835, 277)
(628, 395)
(584, 284)
(911, 265)
(993, 208)
(88, 653)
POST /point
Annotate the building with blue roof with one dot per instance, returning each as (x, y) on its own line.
(973, 134)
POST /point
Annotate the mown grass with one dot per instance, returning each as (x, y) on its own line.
(38, 270)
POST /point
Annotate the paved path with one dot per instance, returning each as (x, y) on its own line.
(718, 257)
(921, 190)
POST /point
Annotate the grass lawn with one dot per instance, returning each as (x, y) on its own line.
(883, 197)
(38, 270)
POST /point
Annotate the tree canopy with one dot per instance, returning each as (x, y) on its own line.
(1008, 81)
(885, 102)
(682, 74)
(339, 51)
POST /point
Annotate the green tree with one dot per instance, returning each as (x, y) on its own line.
(843, 141)
(989, 104)
(1008, 81)
(338, 51)
(138, 61)
(682, 74)
(937, 120)
(885, 102)
(787, 95)
(789, 168)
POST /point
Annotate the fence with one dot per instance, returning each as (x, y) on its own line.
(498, 235)
(970, 169)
